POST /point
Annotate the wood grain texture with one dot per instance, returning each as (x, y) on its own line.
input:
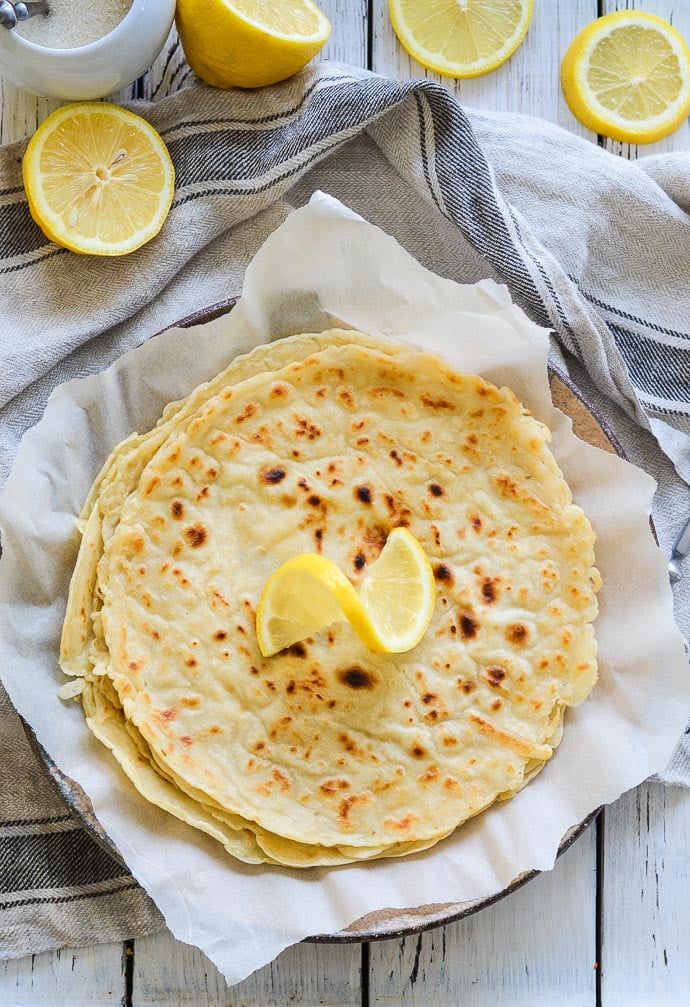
(80, 977)
(646, 899)
(536, 948)
(348, 41)
(167, 972)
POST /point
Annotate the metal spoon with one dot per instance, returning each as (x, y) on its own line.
(11, 13)
(680, 550)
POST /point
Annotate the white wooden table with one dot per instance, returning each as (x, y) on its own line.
(610, 925)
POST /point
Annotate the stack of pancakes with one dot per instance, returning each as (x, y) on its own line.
(328, 753)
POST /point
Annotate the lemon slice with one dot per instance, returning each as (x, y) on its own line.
(461, 38)
(627, 76)
(309, 592)
(98, 179)
(249, 43)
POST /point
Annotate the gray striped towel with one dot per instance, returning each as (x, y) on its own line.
(594, 247)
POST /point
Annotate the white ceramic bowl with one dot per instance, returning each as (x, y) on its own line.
(94, 70)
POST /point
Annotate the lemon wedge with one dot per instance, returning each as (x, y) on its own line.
(390, 614)
(461, 38)
(249, 43)
(98, 179)
(627, 76)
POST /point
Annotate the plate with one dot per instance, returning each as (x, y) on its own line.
(384, 923)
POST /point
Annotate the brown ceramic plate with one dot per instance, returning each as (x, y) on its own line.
(384, 923)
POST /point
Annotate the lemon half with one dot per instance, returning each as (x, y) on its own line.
(627, 76)
(390, 614)
(98, 179)
(249, 43)
(461, 38)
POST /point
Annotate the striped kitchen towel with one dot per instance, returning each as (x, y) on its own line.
(594, 247)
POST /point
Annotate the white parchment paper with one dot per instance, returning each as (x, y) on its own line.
(325, 267)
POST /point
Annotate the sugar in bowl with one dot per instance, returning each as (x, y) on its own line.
(82, 49)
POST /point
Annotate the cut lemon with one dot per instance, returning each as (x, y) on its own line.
(249, 43)
(390, 614)
(627, 76)
(98, 179)
(461, 38)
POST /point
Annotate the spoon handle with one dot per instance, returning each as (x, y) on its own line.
(680, 550)
(29, 8)
(11, 13)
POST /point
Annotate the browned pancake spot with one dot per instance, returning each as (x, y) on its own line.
(345, 805)
(220, 634)
(402, 823)
(363, 494)
(297, 650)
(517, 633)
(357, 678)
(249, 410)
(196, 534)
(436, 489)
(359, 561)
(432, 403)
(495, 675)
(468, 625)
(271, 476)
(333, 786)
(375, 537)
(444, 574)
(190, 701)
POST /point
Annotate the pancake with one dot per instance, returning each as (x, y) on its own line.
(329, 753)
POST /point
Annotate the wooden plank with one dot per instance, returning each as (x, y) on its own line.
(170, 974)
(80, 977)
(348, 41)
(536, 947)
(21, 112)
(679, 16)
(646, 899)
(528, 83)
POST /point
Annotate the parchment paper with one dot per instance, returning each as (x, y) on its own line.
(323, 267)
